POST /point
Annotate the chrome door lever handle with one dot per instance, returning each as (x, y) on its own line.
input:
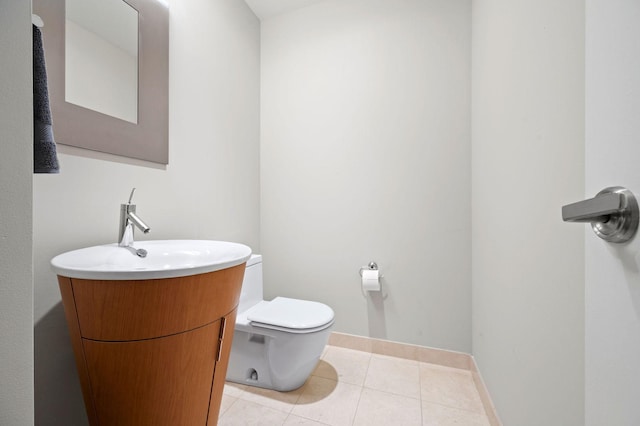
(613, 214)
(595, 209)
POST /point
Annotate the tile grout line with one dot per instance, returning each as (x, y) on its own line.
(361, 390)
(235, 399)
(420, 383)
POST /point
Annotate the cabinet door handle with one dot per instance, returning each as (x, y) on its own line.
(223, 326)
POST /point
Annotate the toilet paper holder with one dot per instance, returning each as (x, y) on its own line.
(372, 266)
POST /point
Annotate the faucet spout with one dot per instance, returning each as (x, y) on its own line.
(138, 222)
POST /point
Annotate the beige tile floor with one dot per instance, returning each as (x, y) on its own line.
(350, 387)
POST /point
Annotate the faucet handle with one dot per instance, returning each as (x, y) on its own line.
(131, 196)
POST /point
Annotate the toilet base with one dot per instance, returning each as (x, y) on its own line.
(274, 359)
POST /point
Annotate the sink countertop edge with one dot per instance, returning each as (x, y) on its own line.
(145, 274)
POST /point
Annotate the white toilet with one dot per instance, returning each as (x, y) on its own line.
(276, 344)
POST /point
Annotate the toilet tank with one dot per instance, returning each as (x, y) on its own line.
(251, 292)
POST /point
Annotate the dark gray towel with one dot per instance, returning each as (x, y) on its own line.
(45, 158)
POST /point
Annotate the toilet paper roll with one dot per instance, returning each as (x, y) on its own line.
(370, 280)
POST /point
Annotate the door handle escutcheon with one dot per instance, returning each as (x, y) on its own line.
(613, 214)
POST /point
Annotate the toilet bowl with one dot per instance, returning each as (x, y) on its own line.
(277, 343)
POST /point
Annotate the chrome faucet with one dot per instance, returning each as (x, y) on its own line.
(128, 218)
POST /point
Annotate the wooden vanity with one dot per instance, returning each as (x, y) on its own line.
(155, 351)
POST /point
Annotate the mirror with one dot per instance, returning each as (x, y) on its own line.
(101, 57)
(121, 109)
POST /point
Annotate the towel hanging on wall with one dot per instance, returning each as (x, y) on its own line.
(45, 158)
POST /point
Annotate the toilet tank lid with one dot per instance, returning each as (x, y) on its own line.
(291, 313)
(255, 258)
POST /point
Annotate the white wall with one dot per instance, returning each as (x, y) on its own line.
(16, 232)
(612, 156)
(527, 156)
(209, 190)
(365, 155)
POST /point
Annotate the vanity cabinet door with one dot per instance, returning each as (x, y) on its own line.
(163, 381)
(221, 367)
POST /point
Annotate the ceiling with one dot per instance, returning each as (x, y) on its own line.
(267, 8)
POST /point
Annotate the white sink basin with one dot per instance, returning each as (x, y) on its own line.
(165, 259)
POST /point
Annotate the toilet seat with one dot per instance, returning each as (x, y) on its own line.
(291, 315)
